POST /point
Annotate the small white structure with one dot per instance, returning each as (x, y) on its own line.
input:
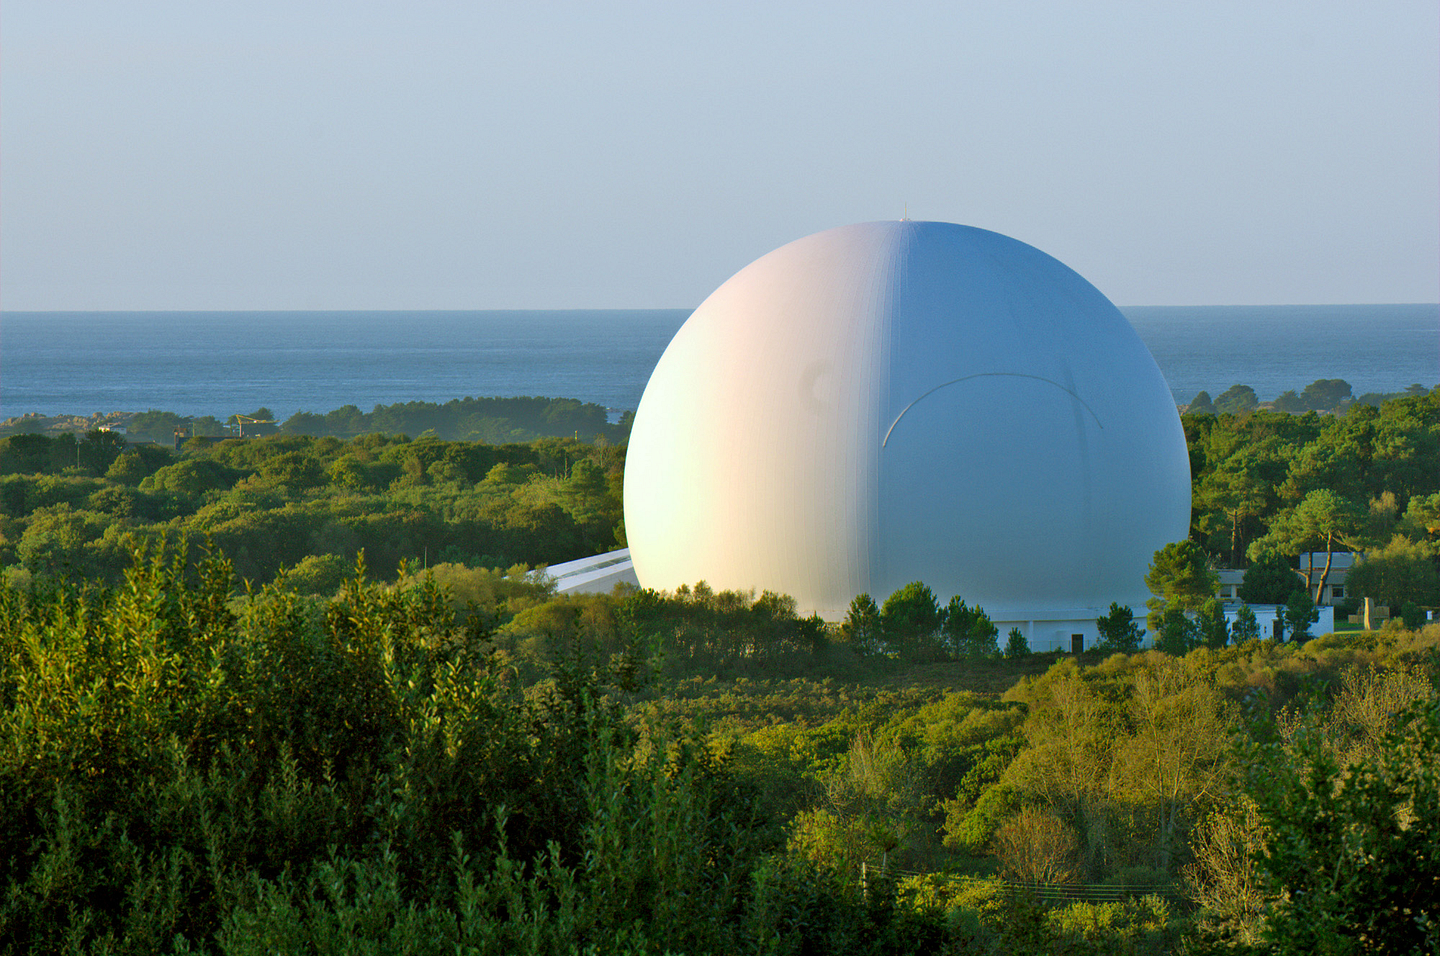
(899, 401)
(597, 574)
(1060, 629)
(1266, 615)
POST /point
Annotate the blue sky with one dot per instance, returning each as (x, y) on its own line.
(250, 154)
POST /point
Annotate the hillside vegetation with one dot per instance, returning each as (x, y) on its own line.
(344, 718)
(308, 504)
(188, 770)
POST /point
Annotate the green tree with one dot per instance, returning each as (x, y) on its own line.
(1176, 633)
(861, 628)
(1175, 759)
(1402, 571)
(910, 618)
(24, 454)
(1269, 580)
(1323, 521)
(64, 452)
(1237, 399)
(968, 631)
(1237, 491)
(136, 464)
(1118, 630)
(1331, 520)
(1289, 403)
(1325, 394)
(1201, 404)
(294, 470)
(55, 542)
(1423, 514)
(1246, 628)
(192, 477)
(1350, 866)
(1298, 614)
(1214, 629)
(155, 425)
(99, 449)
(1016, 646)
(1180, 578)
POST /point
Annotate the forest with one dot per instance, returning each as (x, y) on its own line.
(298, 694)
(493, 420)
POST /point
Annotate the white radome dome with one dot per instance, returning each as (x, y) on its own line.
(898, 401)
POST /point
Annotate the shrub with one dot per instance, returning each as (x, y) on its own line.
(181, 770)
(1035, 846)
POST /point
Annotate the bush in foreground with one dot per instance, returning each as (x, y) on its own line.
(360, 776)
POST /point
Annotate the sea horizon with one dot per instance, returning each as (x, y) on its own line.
(220, 362)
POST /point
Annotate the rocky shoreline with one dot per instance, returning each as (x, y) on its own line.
(36, 424)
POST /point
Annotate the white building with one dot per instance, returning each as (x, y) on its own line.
(1266, 615)
(597, 574)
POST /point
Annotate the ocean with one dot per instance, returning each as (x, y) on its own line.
(221, 363)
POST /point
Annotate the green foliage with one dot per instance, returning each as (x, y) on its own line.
(319, 574)
(1181, 579)
(293, 470)
(1402, 571)
(1250, 472)
(968, 632)
(1325, 394)
(1270, 579)
(60, 541)
(92, 453)
(1201, 404)
(25, 454)
(1289, 402)
(971, 829)
(1037, 846)
(1297, 615)
(1139, 924)
(701, 630)
(157, 426)
(910, 619)
(136, 464)
(1349, 852)
(1118, 630)
(1015, 645)
(354, 777)
(491, 420)
(862, 629)
(301, 502)
(1237, 399)
(184, 768)
(1323, 521)
(1177, 633)
(1214, 629)
(1128, 755)
(192, 477)
(1246, 628)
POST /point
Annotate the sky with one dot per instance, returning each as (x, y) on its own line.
(430, 154)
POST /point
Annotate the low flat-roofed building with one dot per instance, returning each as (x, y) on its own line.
(597, 574)
(1340, 564)
(1266, 614)
(1314, 562)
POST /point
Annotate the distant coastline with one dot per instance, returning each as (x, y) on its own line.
(222, 363)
